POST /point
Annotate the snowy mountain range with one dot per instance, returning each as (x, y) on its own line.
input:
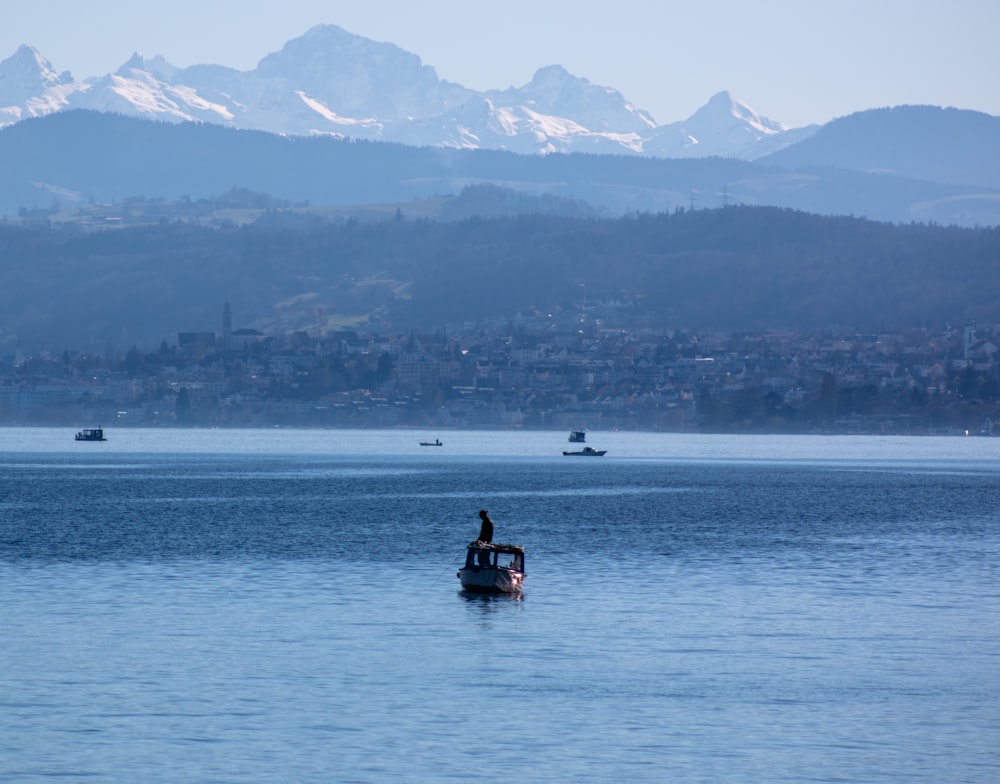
(332, 82)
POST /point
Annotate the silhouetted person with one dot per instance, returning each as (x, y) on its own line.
(485, 535)
(486, 529)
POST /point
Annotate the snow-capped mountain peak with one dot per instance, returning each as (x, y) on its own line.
(134, 63)
(30, 86)
(27, 71)
(725, 126)
(357, 77)
(555, 91)
(160, 68)
(330, 81)
(724, 106)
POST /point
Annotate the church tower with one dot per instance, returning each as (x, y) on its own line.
(227, 326)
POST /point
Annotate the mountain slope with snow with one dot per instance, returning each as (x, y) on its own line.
(30, 86)
(332, 82)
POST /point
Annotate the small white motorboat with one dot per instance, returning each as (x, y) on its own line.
(493, 568)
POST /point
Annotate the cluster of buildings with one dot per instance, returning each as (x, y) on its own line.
(584, 369)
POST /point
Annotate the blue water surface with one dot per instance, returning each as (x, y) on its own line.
(281, 606)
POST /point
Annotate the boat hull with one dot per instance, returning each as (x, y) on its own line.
(490, 579)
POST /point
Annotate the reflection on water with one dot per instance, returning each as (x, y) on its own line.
(488, 601)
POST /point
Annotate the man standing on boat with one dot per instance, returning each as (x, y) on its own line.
(485, 535)
(486, 530)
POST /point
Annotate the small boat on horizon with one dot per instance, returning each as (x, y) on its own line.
(91, 434)
(493, 568)
(577, 436)
(587, 451)
(435, 442)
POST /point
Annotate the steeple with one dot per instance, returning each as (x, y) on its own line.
(227, 325)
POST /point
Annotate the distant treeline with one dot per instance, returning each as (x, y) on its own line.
(735, 268)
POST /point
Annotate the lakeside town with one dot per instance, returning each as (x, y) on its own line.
(579, 369)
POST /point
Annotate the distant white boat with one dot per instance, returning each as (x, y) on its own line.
(493, 568)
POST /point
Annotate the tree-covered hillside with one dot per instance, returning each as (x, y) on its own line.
(733, 268)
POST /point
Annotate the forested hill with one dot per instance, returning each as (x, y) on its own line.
(80, 158)
(732, 268)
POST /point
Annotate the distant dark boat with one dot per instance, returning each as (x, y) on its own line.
(577, 437)
(435, 442)
(91, 434)
(587, 451)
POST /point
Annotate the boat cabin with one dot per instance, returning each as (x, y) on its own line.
(504, 556)
(91, 434)
(493, 568)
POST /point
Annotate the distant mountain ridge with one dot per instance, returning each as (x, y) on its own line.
(332, 82)
(947, 145)
(330, 87)
(84, 157)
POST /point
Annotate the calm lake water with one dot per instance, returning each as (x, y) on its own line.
(281, 606)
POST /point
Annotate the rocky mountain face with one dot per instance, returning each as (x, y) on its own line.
(30, 87)
(331, 82)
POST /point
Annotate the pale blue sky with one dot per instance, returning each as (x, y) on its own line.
(795, 61)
